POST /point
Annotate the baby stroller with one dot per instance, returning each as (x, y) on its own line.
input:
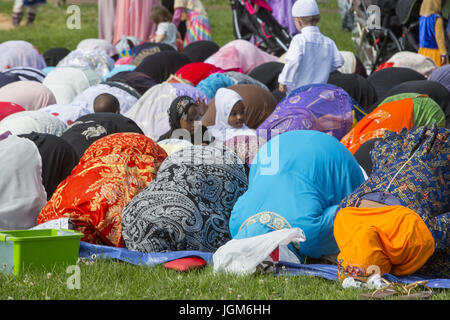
(375, 44)
(253, 20)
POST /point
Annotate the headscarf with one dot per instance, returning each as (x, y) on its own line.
(96, 60)
(268, 73)
(112, 171)
(161, 65)
(321, 107)
(410, 169)
(151, 110)
(118, 69)
(199, 51)
(432, 89)
(240, 54)
(26, 73)
(137, 80)
(412, 60)
(178, 107)
(259, 104)
(23, 194)
(67, 82)
(394, 238)
(7, 79)
(87, 97)
(55, 55)
(148, 49)
(31, 95)
(363, 155)
(312, 172)
(196, 72)
(225, 100)
(32, 121)
(397, 112)
(98, 44)
(214, 82)
(67, 113)
(441, 75)
(240, 78)
(188, 205)
(58, 159)
(385, 79)
(7, 108)
(357, 87)
(430, 6)
(173, 145)
(349, 62)
(92, 127)
(18, 53)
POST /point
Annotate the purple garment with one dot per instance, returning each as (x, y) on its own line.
(5, 135)
(282, 12)
(441, 75)
(190, 91)
(320, 107)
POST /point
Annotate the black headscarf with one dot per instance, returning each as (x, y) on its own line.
(58, 159)
(363, 155)
(360, 68)
(356, 86)
(199, 51)
(88, 129)
(433, 89)
(137, 80)
(385, 79)
(268, 73)
(53, 56)
(161, 65)
(178, 108)
(147, 49)
(7, 79)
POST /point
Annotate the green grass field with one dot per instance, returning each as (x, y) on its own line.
(111, 280)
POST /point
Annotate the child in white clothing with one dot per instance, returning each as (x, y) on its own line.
(311, 56)
(166, 32)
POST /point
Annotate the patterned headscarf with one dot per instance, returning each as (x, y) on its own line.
(188, 205)
(178, 108)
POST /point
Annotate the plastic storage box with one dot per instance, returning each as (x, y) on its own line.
(37, 248)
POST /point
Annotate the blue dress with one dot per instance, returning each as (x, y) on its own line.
(297, 179)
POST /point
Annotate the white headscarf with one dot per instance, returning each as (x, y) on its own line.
(18, 53)
(32, 121)
(225, 100)
(23, 195)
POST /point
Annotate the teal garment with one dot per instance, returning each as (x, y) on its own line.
(301, 185)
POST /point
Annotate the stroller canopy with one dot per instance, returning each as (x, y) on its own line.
(408, 10)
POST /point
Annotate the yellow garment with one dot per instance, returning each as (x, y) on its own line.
(430, 7)
(433, 54)
(391, 239)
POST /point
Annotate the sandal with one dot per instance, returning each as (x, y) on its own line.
(403, 291)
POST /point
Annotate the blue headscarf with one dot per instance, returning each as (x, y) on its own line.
(297, 180)
(214, 82)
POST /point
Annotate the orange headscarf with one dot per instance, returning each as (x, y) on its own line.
(111, 172)
(390, 239)
(392, 116)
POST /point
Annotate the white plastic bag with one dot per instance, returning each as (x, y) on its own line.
(244, 255)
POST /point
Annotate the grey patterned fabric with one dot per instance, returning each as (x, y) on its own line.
(188, 205)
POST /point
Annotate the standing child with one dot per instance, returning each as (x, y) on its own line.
(18, 10)
(431, 32)
(311, 56)
(166, 31)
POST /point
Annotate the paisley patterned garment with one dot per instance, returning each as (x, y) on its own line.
(413, 166)
(188, 205)
(319, 107)
(111, 172)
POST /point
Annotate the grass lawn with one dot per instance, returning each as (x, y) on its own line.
(111, 280)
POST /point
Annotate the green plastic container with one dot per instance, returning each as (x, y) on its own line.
(37, 248)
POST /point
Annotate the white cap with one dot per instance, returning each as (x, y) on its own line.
(305, 8)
